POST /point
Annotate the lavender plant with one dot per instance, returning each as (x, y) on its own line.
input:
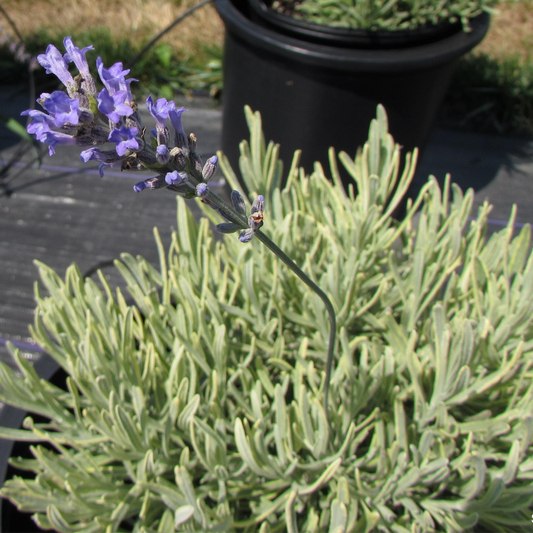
(199, 406)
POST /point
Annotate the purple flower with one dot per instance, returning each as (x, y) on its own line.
(40, 124)
(114, 78)
(54, 63)
(175, 119)
(101, 167)
(160, 110)
(107, 158)
(95, 154)
(113, 107)
(74, 54)
(54, 137)
(124, 139)
(176, 178)
(77, 56)
(61, 107)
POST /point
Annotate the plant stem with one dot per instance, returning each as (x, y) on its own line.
(323, 296)
(241, 220)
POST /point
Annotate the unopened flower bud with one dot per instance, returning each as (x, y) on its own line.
(151, 183)
(162, 154)
(139, 187)
(176, 178)
(163, 136)
(201, 190)
(210, 168)
(238, 202)
(247, 235)
(196, 164)
(179, 159)
(227, 227)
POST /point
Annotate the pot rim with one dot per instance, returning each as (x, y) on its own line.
(350, 37)
(419, 57)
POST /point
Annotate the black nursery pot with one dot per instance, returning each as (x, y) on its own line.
(313, 96)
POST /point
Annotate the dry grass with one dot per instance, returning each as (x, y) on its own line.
(511, 31)
(136, 19)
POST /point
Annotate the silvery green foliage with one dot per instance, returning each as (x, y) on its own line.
(199, 408)
(386, 14)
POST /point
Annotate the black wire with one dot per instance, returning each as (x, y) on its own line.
(101, 264)
(12, 24)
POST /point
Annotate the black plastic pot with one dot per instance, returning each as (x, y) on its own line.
(262, 13)
(11, 519)
(313, 96)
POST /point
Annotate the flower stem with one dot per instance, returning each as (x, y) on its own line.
(239, 219)
(323, 296)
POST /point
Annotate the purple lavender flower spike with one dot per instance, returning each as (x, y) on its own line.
(40, 124)
(54, 63)
(113, 107)
(162, 154)
(124, 139)
(77, 56)
(61, 107)
(176, 178)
